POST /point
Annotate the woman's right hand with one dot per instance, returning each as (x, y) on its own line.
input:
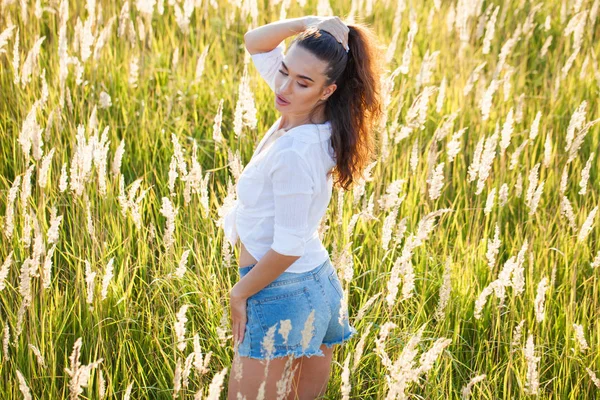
(333, 25)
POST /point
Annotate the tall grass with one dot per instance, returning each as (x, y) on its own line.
(469, 253)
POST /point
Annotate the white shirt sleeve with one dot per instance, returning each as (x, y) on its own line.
(268, 64)
(293, 187)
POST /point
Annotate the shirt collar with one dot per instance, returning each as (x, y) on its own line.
(311, 133)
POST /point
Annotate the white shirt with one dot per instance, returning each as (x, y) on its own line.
(284, 191)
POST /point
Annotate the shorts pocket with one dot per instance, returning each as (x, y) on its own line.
(335, 282)
(250, 185)
(294, 306)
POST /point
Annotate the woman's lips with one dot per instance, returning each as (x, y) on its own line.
(280, 101)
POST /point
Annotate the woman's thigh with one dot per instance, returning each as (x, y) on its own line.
(273, 377)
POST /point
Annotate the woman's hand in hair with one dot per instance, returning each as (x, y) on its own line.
(332, 25)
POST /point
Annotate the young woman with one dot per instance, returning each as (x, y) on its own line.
(285, 308)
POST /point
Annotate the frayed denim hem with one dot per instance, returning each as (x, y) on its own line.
(297, 353)
(350, 335)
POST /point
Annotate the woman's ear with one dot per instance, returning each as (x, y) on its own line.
(328, 91)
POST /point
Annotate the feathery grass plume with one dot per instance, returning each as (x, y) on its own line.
(482, 298)
(5, 269)
(428, 63)
(103, 37)
(200, 65)
(285, 327)
(596, 262)
(108, 274)
(345, 377)
(473, 78)
(31, 134)
(31, 64)
(384, 331)
(585, 174)
(216, 385)
(466, 390)
(514, 158)
(358, 350)
(576, 123)
(284, 384)
(245, 108)
(586, 227)
(23, 386)
(9, 227)
(566, 211)
(268, 343)
(453, 147)
(177, 378)
(507, 130)
(580, 337)
(89, 280)
(127, 394)
(392, 199)
(5, 341)
(413, 29)
(104, 100)
(535, 126)
(414, 156)
(170, 213)
(199, 364)
(116, 164)
(493, 247)
(489, 202)
(593, 377)
(181, 268)
(217, 136)
(517, 332)
(547, 151)
(402, 265)
(43, 175)
(134, 71)
(417, 113)
(361, 312)
(4, 36)
(487, 158)
(308, 330)
(47, 268)
(533, 183)
(444, 292)
(79, 373)
(531, 382)
(179, 327)
(476, 162)
(402, 372)
(540, 298)
(489, 31)
(485, 103)
(38, 355)
(16, 59)
(436, 182)
(222, 328)
(64, 178)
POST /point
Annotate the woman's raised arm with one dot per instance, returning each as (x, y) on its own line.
(266, 37)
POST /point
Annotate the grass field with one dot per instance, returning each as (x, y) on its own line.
(469, 253)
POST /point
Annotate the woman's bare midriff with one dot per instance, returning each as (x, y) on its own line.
(245, 257)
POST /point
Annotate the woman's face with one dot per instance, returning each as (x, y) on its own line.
(300, 80)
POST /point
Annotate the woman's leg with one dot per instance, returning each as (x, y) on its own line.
(280, 374)
(310, 381)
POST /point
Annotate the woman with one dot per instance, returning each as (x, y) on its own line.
(286, 306)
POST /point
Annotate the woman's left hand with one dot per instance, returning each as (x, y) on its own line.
(238, 315)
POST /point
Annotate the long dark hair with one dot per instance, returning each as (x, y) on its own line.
(355, 107)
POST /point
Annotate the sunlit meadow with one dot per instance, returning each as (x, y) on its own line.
(469, 251)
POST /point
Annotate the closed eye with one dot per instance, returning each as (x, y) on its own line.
(301, 85)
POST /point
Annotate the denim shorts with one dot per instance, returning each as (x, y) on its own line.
(286, 304)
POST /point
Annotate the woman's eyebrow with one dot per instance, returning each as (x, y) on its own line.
(301, 76)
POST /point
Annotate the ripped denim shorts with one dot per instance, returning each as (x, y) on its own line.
(295, 314)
